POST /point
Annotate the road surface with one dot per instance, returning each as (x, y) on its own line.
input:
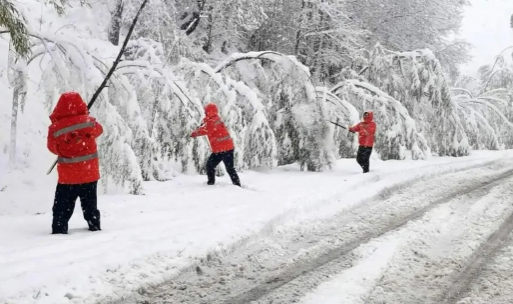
(442, 239)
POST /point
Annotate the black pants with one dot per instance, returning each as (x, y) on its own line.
(64, 204)
(227, 159)
(363, 157)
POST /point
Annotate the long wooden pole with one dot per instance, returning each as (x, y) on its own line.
(113, 68)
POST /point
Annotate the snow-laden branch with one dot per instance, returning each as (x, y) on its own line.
(350, 110)
(464, 91)
(266, 55)
(385, 98)
(481, 120)
(493, 68)
(492, 107)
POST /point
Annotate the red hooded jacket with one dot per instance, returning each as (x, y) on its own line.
(215, 130)
(72, 137)
(365, 130)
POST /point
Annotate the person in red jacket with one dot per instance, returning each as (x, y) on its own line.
(221, 144)
(72, 137)
(366, 131)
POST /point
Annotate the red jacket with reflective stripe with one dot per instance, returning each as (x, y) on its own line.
(73, 134)
(215, 130)
(365, 130)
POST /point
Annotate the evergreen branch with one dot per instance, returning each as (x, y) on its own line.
(233, 61)
(11, 19)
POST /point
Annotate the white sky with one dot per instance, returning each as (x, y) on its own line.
(487, 27)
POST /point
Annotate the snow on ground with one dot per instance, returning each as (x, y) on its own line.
(147, 239)
(279, 267)
(495, 280)
(352, 285)
(421, 261)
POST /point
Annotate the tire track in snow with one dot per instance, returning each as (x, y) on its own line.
(493, 285)
(447, 251)
(253, 272)
(463, 279)
(341, 258)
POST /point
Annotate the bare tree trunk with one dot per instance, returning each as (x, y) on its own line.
(14, 122)
(115, 23)
(147, 167)
(208, 45)
(191, 25)
(299, 31)
(18, 81)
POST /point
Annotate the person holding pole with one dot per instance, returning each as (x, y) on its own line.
(72, 137)
(221, 144)
(366, 131)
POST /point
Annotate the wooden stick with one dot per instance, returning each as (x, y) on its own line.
(338, 125)
(112, 69)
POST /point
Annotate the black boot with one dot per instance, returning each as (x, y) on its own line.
(63, 206)
(88, 199)
(59, 232)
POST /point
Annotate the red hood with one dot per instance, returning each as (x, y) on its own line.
(370, 116)
(70, 104)
(211, 110)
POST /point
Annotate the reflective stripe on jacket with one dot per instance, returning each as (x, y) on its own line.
(217, 133)
(72, 137)
(366, 130)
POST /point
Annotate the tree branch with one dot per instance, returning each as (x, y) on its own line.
(113, 68)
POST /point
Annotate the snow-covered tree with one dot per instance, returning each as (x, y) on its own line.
(492, 95)
(403, 25)
(115, 22)
(416, 79)
(343, 113)
(317, 62)
(296, 116)
(397, 131)
(17, 76)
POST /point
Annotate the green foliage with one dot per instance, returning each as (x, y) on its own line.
(59, 4)
(13, 20)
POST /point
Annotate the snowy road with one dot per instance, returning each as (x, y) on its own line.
(337, 236)
(425, 242)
